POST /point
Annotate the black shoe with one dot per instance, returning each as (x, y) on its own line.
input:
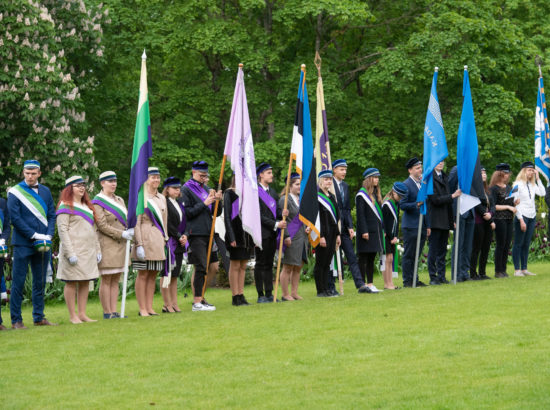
(420, 284)
(364, 289)
(484, 277)
(244, 302)
(474, 277)
(263, 299)
(236, 301)
(435, 282)
(407, 285)
(334, 292)
(322, 294)
(443, 281)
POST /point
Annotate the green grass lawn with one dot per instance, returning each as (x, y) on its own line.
(475, 345)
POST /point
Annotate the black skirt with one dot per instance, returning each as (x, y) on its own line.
(239, 253)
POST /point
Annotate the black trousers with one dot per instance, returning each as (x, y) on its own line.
(198, 246)
(263, 271)
(409, 249)
(480, 250)
(323, 259)
(437, 253)
(347, 247)
(366, 265)
(503, 235)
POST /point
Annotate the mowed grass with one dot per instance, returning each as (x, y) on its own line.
(475, 345)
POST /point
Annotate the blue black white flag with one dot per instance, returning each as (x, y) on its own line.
(542, 135)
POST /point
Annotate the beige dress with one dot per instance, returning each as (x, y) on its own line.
(148, 235)
(109, 232)
(78, 238)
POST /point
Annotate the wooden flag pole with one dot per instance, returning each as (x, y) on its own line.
(212, 229)
(287, 186)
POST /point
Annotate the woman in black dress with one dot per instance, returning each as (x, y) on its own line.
(239, 243)
(483, 233)
(370, 230)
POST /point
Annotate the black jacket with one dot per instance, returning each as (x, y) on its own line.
(268, 221)
(234, 228)
(199, 216)
(329, 227)
(368, 222)
(344, 206)
(440, 204)
(174, 223)
(391, 224)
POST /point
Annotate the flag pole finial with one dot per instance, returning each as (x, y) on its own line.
(144, 56)
(317, 63)
(241, 65)
(436, 69)
(466, 67)
(538, 62)
(303, 67)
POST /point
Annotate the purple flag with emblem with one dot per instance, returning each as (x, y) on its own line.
(239, 150)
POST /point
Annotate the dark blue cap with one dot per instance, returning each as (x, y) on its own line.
(412, 162)
(31, 164)
(503, 166)
(325, 173)
(527, 164)
(200, 166)
(400, 189)
(294, 175)
(371, 172)
(264, 166)
(173, 182)
(339, 163)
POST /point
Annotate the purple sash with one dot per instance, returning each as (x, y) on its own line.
(116, 213)
(153, 218)
(268, 200)
(198, 190)
(235, 209)
(172, 243)
(66, 209)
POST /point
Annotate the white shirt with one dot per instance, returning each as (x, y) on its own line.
(416, 182)
(526, 194)
(177, 206)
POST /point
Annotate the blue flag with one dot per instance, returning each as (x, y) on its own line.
(467, 156)
(435, 146)
(542, 135)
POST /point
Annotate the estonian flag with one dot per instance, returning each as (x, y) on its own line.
(542, 135)
(302, 152)
(143, 150)
(467, 158)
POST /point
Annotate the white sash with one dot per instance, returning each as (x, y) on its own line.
(153, 205)
(370, 203)
(30, 206)
(116, 204)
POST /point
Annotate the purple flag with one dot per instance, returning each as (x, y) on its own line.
(240, 152)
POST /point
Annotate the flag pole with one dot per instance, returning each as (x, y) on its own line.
(125, 280)
(538, 62)
(287, 186)
(457, 232)
(416, 256)
(212, 229)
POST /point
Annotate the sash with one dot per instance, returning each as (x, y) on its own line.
(235, 209)
(391, 206)
(77, 210)
(32, 201)
(268, 200)
(198, 190)
(374, 206)
(153, 212)
(118, 210)
(327, 204)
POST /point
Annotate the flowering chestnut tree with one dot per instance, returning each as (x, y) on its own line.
(48, 50)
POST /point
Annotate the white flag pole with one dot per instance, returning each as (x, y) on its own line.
(125, 280)
(416, 256)
(456, 242)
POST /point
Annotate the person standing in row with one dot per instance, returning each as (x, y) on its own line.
(5, 230)
(199, 207)
(148, 253)
(32, 214)
(341, 188)
(239, 244)
(505, 208)
(330, 235)
(79, 249)
(269, 215)
(390, 215)
(110, 218)
(370, 228)
(440, 214)
(176, 241)
(483, 233)
(295, 240)
(409, 223)
(527, 186)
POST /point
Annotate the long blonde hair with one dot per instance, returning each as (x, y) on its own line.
(522, 177)
(372, 190)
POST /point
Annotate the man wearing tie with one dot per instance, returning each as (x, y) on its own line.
(32, 214)
(339, 169)
(409, 223)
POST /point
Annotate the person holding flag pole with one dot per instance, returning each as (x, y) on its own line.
(468, 177)
(142, 151)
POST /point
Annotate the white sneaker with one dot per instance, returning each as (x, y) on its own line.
(199, 307)
(374, 289)
(527, 273)
(518, 273)
(4, 296)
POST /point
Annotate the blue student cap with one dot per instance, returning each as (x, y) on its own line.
(371, 172)
(262, 167)
(339, 163)
(31, 164)
(400, 189)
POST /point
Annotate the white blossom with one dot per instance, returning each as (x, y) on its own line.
(31, 106)
(26, 97)
(543, 215)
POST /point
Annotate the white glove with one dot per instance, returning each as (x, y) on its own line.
(98, 257)
(48, 237)
(49, 274)
(41, 237)
(128, 234)
(140, 252)
(2, 242)
(73, 260)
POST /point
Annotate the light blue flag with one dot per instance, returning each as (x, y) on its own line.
(435, 146)
(542, 135)
(467, 156)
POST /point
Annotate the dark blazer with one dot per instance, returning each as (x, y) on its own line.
(329, 228)
(411, 212)
(391, 225)
(440, 204)
(344, 206)
(368, 222)
(199, 216)
(453, 186)
(25, 224)
(6, 229)
(234, 228)
(174, 223)
(266, 217)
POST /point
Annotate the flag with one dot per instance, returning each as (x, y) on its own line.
(467, 156)
(542, 135)
(239, 150)
(435, 146)
(142, 151)
(302, 152)
(514, 192)
(322, 146)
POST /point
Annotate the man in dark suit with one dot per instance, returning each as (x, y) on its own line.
(32, 214)
(440, 211)
(5, 230)
(339, 169)
(269, 215)
(409, 223)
